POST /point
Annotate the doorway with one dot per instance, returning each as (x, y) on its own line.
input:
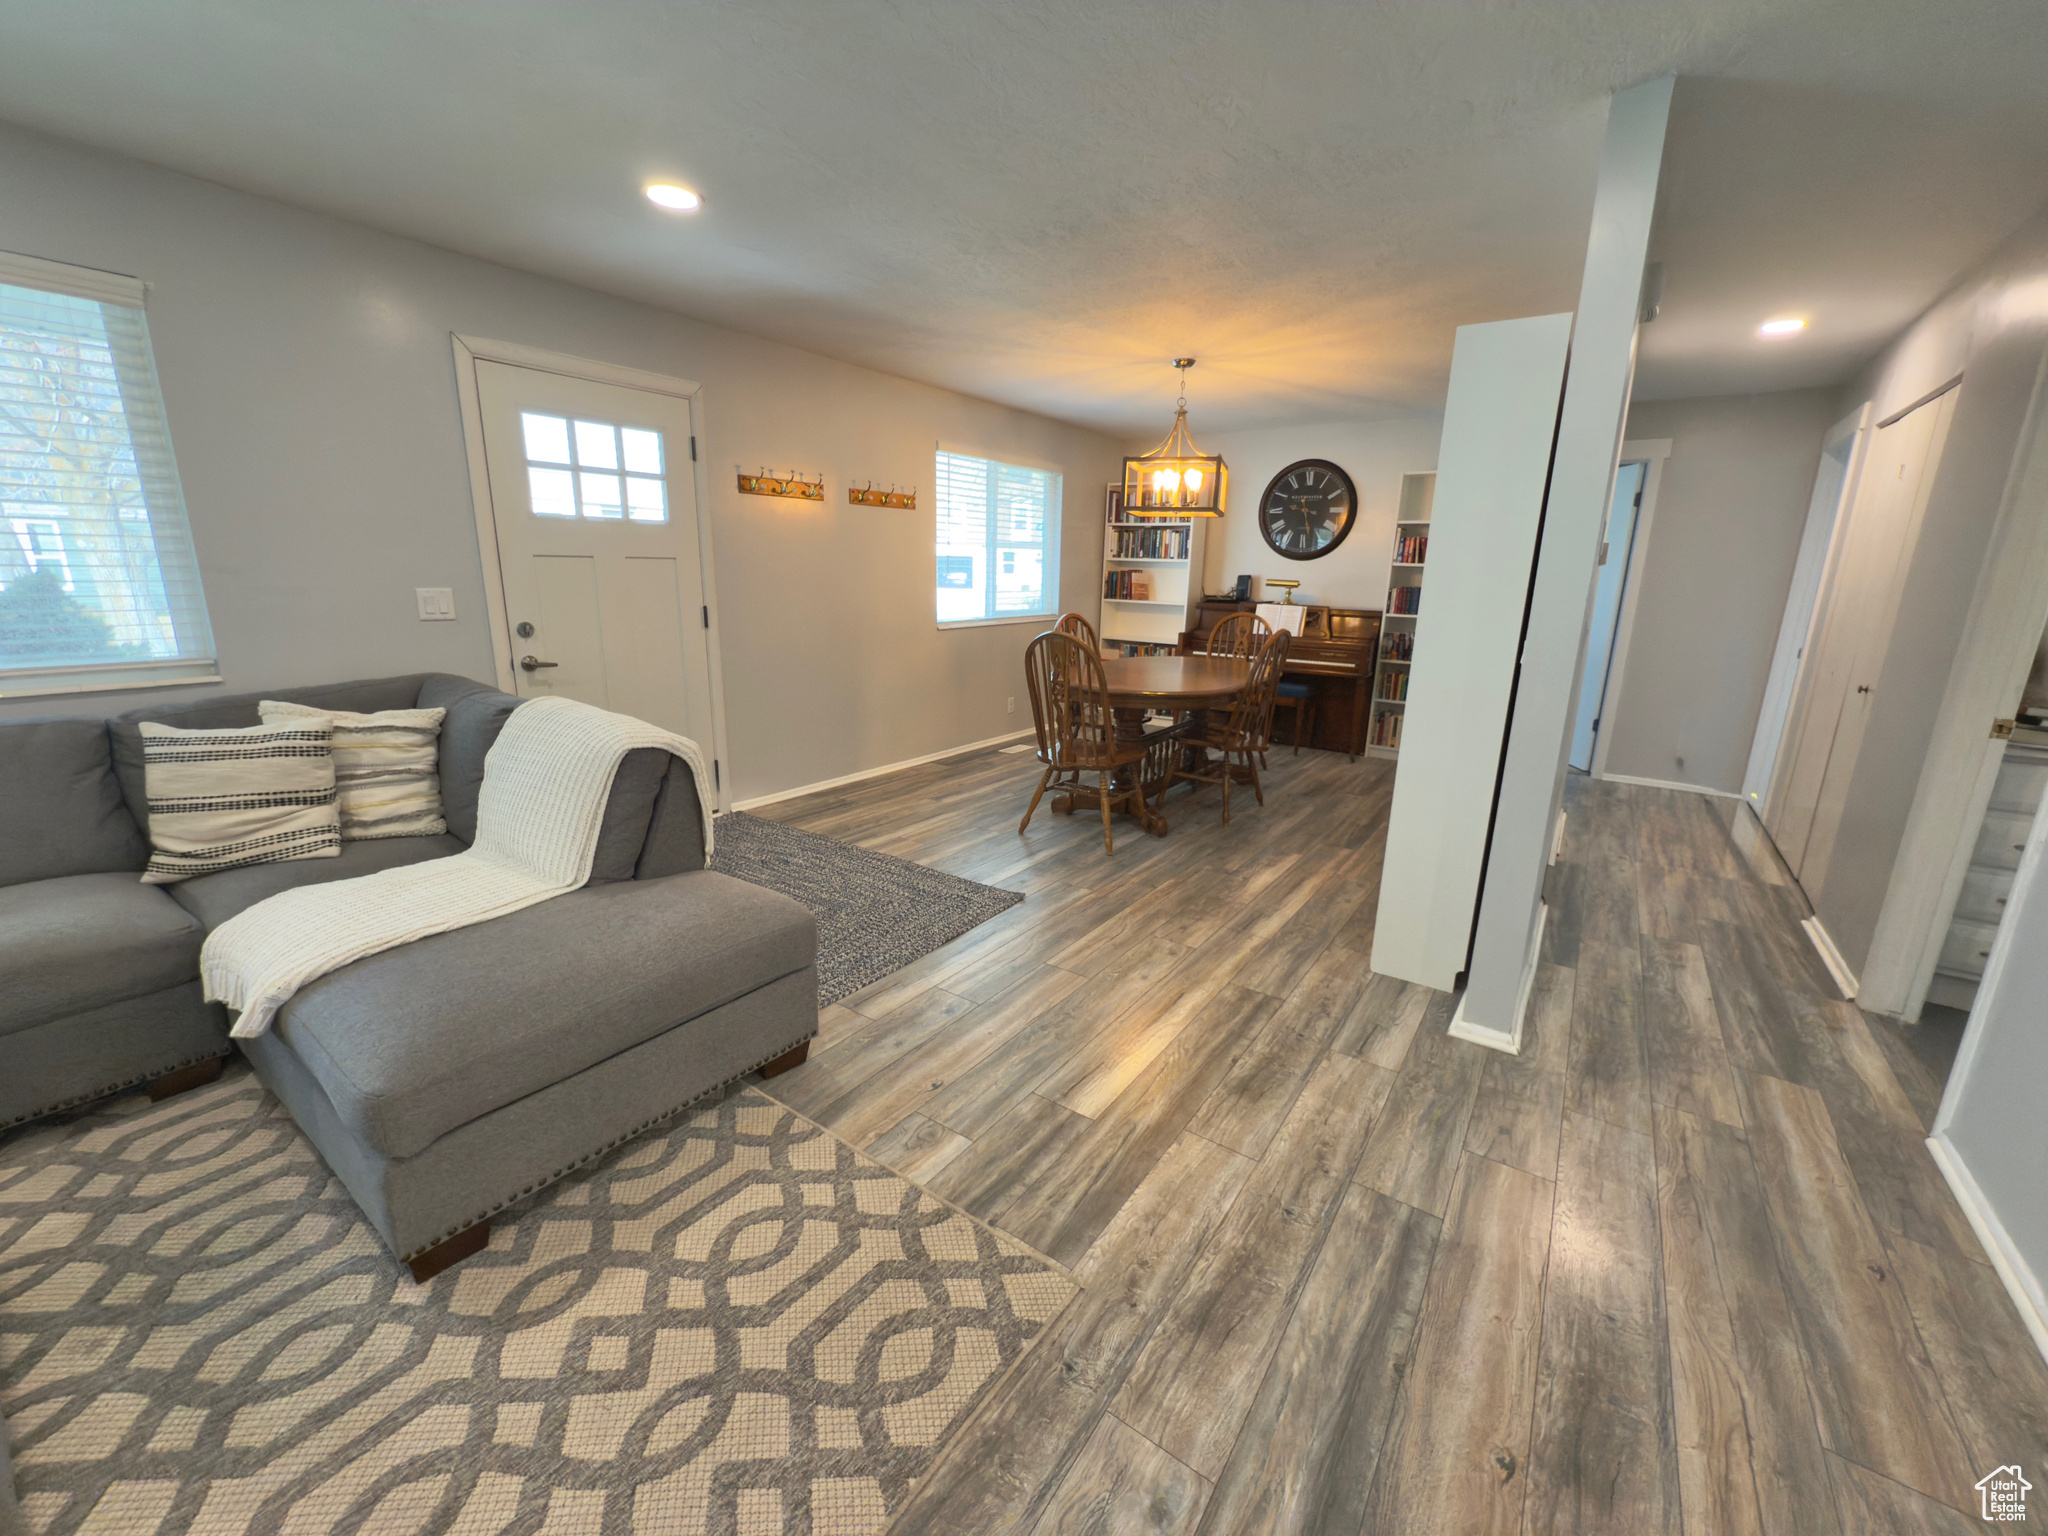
(1617, 547)
(1851, 632)
(596, 557)
(1834, 485)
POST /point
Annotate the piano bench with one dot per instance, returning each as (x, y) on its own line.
(1302, 700)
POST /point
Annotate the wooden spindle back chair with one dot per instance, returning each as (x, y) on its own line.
(1077, 730)
(1239, 638)
(1240, 635)
(1077, 626)
(1241, 733)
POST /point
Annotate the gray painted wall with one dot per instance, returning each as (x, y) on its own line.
(1731, 505)
(310, 385)
(1375, 454)
(1990, 328)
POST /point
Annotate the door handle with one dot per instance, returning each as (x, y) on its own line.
(534, 663)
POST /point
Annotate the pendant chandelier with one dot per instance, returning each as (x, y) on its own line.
(1176, 479)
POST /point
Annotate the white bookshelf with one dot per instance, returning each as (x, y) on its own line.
(1397, 630)
(1131, 546)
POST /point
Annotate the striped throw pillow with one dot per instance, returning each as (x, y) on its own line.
(222, 799)
(386, 767)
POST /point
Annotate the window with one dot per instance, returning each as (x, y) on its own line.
(593, 469)
(998, 541)
(42, 543)
(99, 587)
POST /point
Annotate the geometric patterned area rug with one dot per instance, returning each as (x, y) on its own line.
(876, 913)
(738, 1324)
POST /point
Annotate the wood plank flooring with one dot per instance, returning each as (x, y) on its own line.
(1682, 1265)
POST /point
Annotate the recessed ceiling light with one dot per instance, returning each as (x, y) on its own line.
(666, 194)
(1789, 326)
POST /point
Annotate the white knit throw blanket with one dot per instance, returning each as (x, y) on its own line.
(546, 780)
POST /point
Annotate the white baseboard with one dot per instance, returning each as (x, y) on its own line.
(1690, 789)
(2020, 1281)
(874, 773)
(1831, 957)
(1509, 1039)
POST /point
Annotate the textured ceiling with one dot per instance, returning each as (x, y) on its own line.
(1042, 202)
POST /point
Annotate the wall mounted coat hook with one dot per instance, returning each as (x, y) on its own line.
(791, 485)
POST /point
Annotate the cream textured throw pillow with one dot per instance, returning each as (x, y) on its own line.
(386, 767)
(221, 799)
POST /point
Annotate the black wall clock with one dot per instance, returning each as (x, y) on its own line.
(1308, 509)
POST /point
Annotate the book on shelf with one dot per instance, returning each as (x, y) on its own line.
(1150, 543)
(1146, 648)
(1412, 549)
(1394, 687)
(1399, 646)
(1386, 729)
(1130, 586)
(1405, 600)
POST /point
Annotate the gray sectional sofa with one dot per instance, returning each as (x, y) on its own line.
(444, 1079)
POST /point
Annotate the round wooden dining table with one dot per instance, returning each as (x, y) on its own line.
(1139, 685)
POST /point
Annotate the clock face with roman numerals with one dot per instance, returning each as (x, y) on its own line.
(1308, 509)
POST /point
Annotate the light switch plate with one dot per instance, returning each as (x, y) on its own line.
(436, 603)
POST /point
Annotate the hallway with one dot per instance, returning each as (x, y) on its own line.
(1684, 1262)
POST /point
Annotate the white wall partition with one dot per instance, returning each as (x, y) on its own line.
(1499, 424)
(1561, 597)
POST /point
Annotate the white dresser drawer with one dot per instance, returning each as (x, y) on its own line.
(2001, 838)
(1984, 894)
(1966, 948)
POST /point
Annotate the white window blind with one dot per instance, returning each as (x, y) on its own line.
(99, 587)
(998, 540)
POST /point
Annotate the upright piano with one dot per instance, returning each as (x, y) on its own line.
(1334, 654)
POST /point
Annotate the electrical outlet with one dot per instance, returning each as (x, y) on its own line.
(1012, 709)
(436, 603)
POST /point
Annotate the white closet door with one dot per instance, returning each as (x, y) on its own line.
(1861, 607)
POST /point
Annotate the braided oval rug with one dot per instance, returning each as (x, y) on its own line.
(876, 913)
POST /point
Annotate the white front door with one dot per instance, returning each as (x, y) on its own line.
(1615, 548)
(594, 503)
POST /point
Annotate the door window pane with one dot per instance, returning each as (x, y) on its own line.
(594, 488)
(643, 450)
(547, 438)
(553, 491)
(597, 445)
(600, 494)
(645, 500)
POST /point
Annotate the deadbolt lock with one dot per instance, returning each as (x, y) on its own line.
(524, 630)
